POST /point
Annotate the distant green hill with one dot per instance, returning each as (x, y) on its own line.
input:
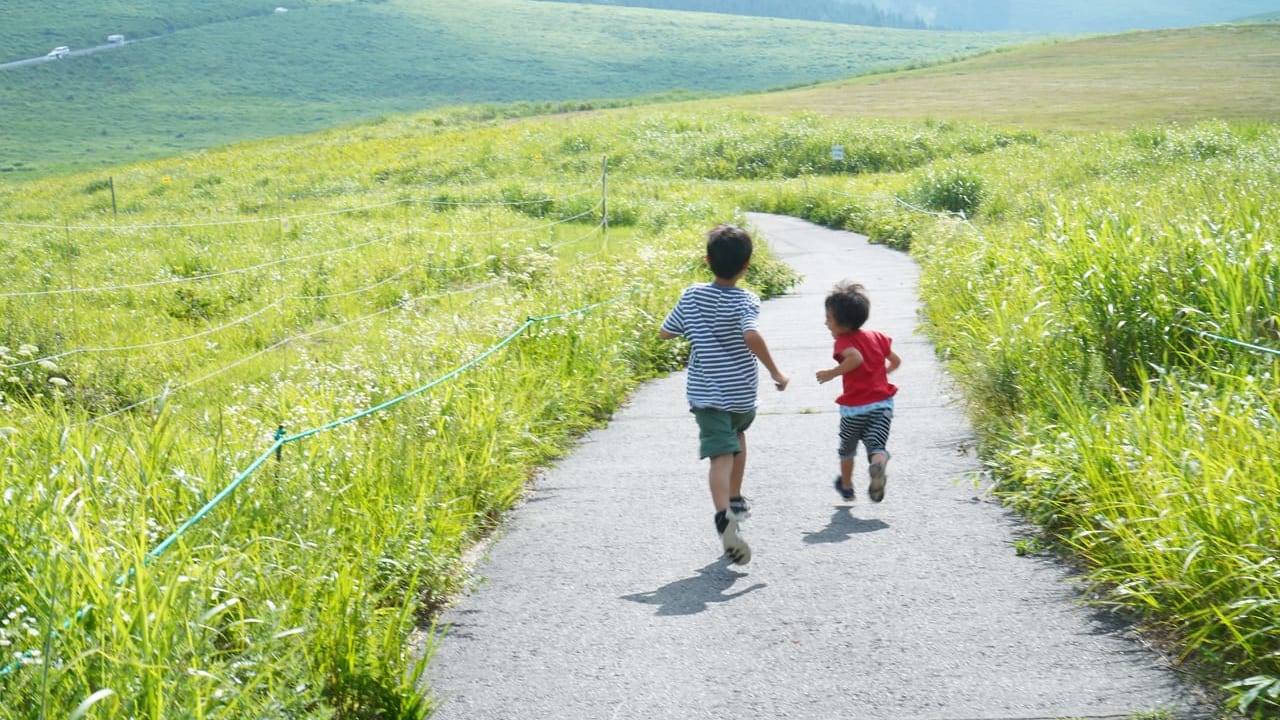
(32, 27)
(1120, 15)
(851, 12)
(1224, 72)
(323, 64)
(1073, 16)
(1272, 17)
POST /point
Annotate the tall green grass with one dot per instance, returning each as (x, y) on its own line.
(1072, 303)
(1090, 322)
(288, 286)
(1109, 305)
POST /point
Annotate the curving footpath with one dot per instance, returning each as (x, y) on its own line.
(606, 597)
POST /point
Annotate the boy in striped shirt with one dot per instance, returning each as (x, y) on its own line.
(720, 321)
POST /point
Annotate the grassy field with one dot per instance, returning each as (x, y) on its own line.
(1109, 82)
(1126, 14)
(323, 64)
(31, 28)
(255, 401)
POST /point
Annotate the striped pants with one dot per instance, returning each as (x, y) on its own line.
(871, 429)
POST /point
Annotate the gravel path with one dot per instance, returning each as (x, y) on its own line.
(606, 597)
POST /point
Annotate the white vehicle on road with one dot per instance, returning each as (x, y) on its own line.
(59, 52)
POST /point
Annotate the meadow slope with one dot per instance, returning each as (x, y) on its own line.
(1226, 72)
(370, 294)
(323, 64)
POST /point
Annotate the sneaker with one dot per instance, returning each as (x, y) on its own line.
(734, 545)
(875, 490)
(847, 493)
(739, 508)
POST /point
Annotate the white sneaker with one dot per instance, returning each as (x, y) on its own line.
(875, 490)
(734, 545)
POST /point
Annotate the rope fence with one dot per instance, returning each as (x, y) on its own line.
(1231, 341)
(172, 389)
(304, 216)
(281, 439)
(299, 258)
(274, 304)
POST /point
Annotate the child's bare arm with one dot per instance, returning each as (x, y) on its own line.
(894, 361)
(664, 335)
(756, 344)
(849, 360)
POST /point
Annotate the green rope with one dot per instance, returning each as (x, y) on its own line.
(1230, 341)
(417, 391)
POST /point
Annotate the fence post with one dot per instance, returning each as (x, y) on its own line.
(604, 198)
(279, 435)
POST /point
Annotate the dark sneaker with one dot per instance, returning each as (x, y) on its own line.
(847, 493)
(875, 490)
(734, 545)
(739, 508)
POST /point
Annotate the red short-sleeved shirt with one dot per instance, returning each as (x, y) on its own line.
(868, 383)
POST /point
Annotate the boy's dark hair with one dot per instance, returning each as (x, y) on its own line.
(728, 250)
(849, 305)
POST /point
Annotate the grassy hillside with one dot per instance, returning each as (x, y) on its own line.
(1225, 72)
(1272, 17)
(29, 27)
(157, 333)
(150, 358)
(1059, 16)
(1120, 15)
(838, 11)
(324, 64)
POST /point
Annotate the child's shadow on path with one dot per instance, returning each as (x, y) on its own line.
(691, 595)
(842, 526)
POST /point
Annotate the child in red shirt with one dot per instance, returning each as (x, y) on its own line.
(864, 360)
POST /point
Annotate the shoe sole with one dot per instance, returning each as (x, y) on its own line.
(840, 489)
(876, 489)
(734, 546)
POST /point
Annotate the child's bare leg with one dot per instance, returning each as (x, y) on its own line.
(739, 467)
(875, 490)
(722, 470)
(846, 473)
(719, 479)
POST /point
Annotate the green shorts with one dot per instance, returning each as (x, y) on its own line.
(718, 430)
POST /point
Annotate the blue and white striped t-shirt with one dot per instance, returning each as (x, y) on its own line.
(722, 372)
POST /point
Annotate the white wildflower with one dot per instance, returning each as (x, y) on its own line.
(47, 365)
(58, 382)
(28, 350)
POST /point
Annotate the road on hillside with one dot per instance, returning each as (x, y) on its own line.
(605, 595)
(72, 54)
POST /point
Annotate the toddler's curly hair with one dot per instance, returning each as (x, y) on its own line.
(849, 305)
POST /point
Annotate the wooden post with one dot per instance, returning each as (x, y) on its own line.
(604, 199)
